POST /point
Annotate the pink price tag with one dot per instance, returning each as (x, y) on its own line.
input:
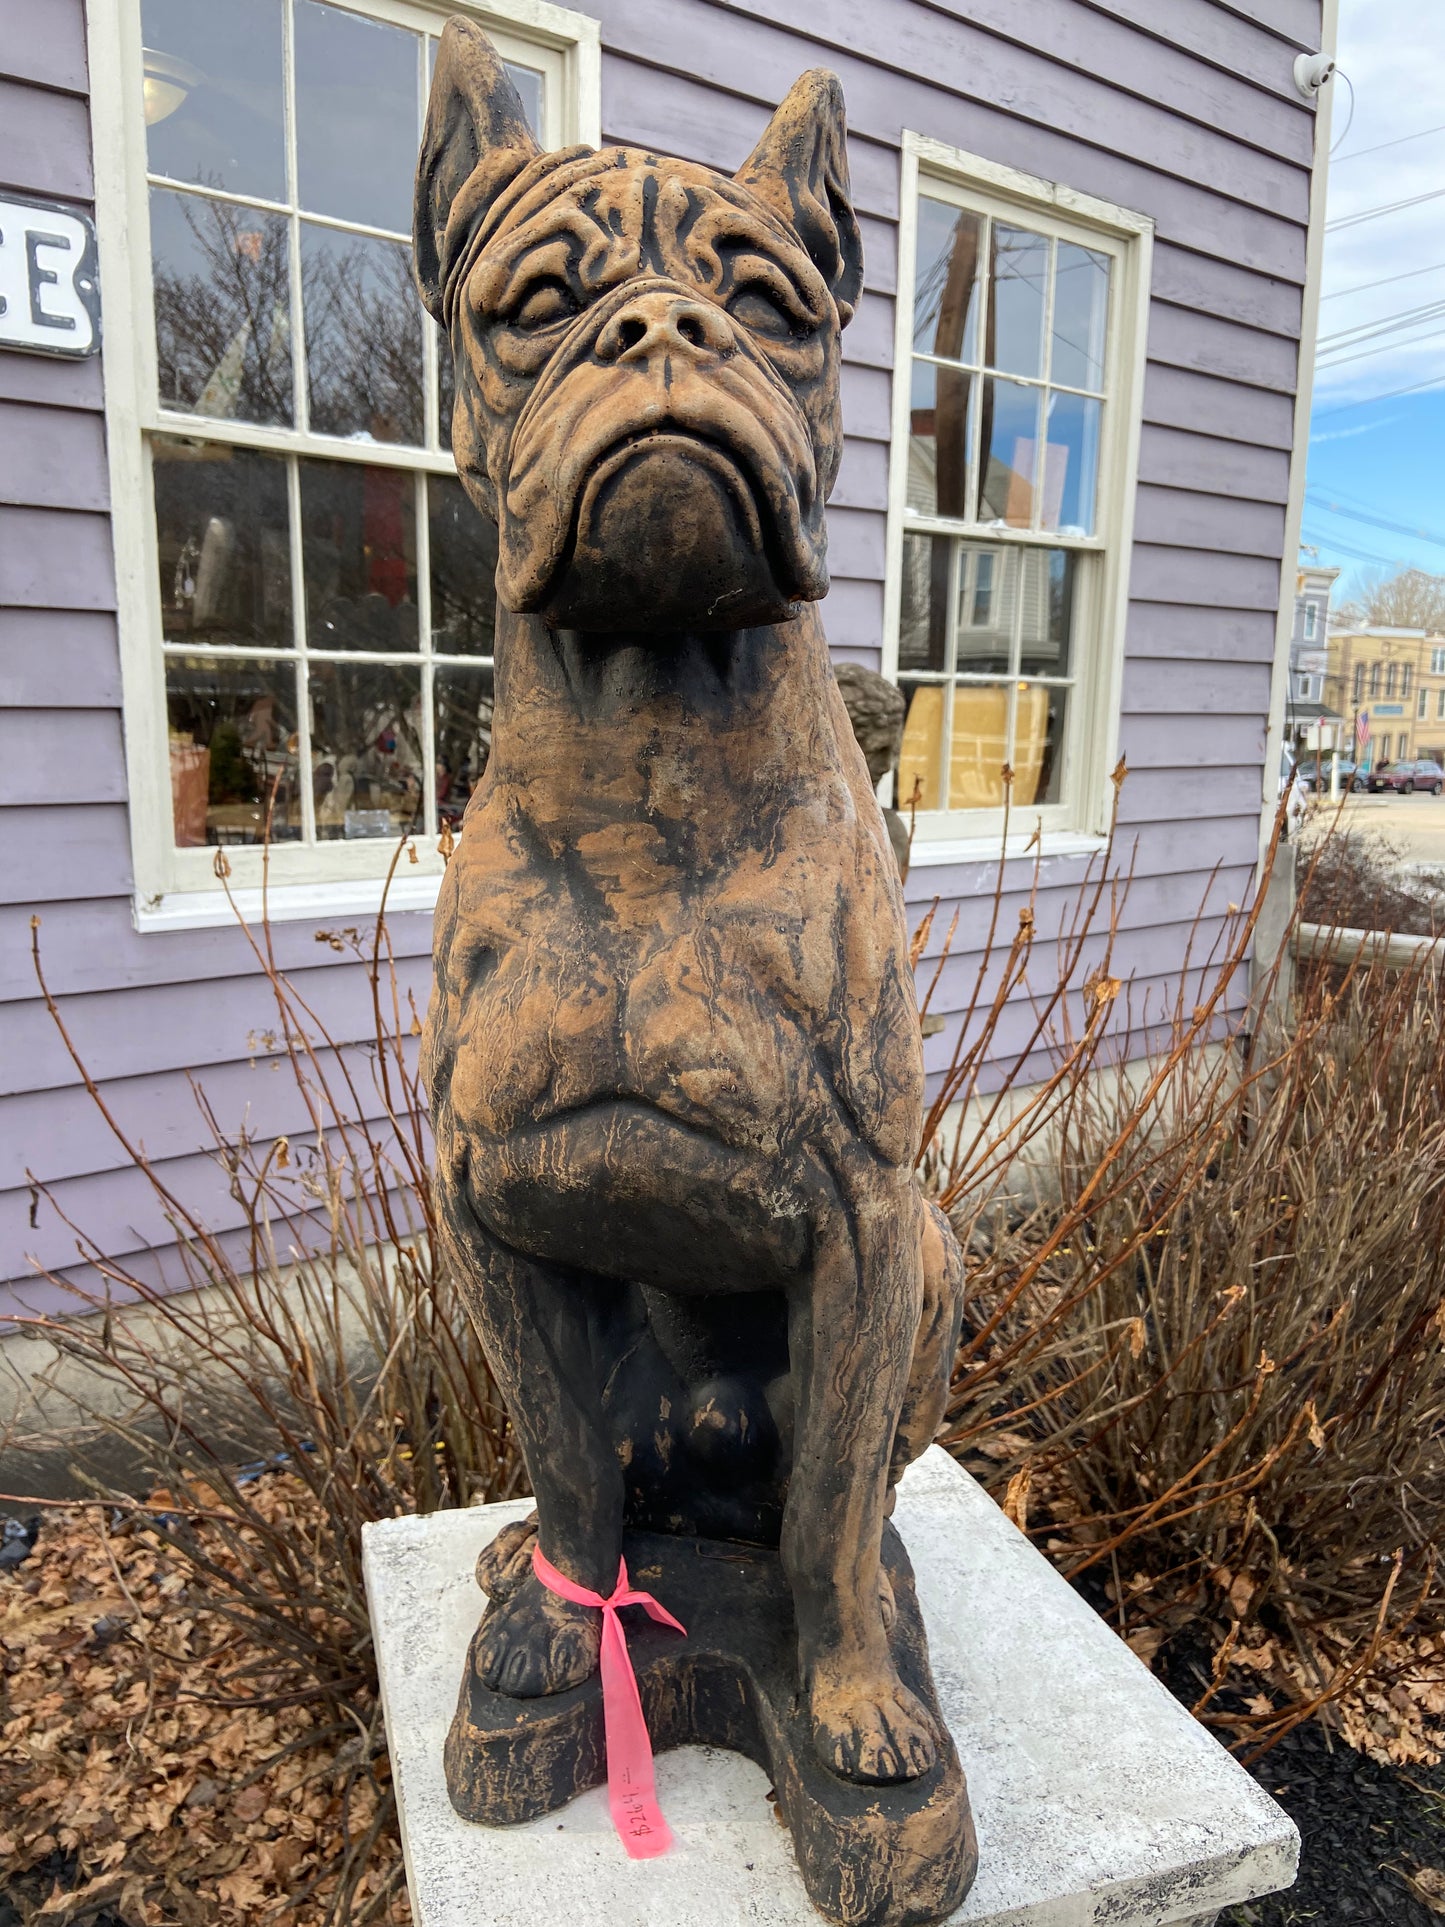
(631, 1785)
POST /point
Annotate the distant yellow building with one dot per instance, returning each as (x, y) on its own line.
(1396, 679)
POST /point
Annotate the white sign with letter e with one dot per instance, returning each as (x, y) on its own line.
(49, 294)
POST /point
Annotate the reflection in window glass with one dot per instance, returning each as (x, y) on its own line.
(357, 116)
(528, 83)
(1019, 267)
(1038, 754)
(463, 545)
(946, 278)
(920, 758)
(1010, 435)
(358, 541)
(987, 601)
(1071, 464)
(232, 750)
(223, 314)
(213, 94)
(923, 623)
(1081, 311)
(938, 440)
(463, 705)
(1050, 578)
(980, 746)
(363, 336)
(366, 749)
(223, 537)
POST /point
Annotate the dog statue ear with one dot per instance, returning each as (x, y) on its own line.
(800, 168)
(475, 143)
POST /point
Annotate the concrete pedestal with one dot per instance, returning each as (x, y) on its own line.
(1097, 1799)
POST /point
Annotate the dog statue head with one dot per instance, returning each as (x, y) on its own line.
(646, 353)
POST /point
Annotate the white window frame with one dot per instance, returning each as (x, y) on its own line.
(1312, 620)
(178, 888)
(1080, 819)
(1437, 662)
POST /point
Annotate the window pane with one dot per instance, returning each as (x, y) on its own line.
(1049, 592)
(1081, 312)
(987, 599)
(528, 83)
(945, 285)
(920, 758)
(1038, 759)
(938, 440)
(366, 749)
(463, 737)
(358, 541)
(233, 742)
(223, 312)
(980, 746)
(446, 388)
(357, 116)
(363, 336)
(463, 571)
(1020, 264)
(225, 549)
(923, 620)
(1071, 464)
(1010, 434)
(213, 94)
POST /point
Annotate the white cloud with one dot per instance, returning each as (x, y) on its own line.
(1394, 54)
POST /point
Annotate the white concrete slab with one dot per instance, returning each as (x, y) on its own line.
(1097, 1798)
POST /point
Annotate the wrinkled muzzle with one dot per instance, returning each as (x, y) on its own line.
(660, 470)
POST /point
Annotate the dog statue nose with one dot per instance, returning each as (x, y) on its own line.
(665, 324)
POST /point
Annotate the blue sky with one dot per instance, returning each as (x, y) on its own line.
(1377, 456)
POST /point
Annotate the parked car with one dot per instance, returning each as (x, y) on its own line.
(1316, 776)
(1406, 778)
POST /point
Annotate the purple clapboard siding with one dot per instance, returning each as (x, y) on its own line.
(1187, 114)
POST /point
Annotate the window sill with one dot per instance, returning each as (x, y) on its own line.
(932, 852)
(287, 903)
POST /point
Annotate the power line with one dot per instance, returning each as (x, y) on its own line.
(1388, 207)
(1356, 555)
(1375, 521)
(1399, 141)
(1366, 330)
(1390, 394)
(1364, 287)
(1366, 354)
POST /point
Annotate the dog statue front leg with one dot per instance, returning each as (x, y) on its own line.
(851, 1332)
(544, 1330)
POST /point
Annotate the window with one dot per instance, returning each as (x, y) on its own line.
(1359, 681)
(1440, 707)
(1312, 620)
(1376, 672)
(1392, 677)
(1015, 418)
(1437, 662)
(1407, 676)
(1422, 702)
(309, 641)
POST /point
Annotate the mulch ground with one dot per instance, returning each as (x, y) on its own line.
(136, 1792)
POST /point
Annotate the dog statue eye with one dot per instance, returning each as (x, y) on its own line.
(756, 309)
(547, 303)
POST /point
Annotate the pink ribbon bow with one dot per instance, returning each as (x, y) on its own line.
(631, 1786)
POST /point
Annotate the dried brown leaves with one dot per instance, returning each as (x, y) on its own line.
(126, 1763)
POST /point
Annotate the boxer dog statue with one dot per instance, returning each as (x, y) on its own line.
(673, 1052)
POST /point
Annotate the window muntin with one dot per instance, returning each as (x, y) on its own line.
(1015, 398)
(322, 594)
